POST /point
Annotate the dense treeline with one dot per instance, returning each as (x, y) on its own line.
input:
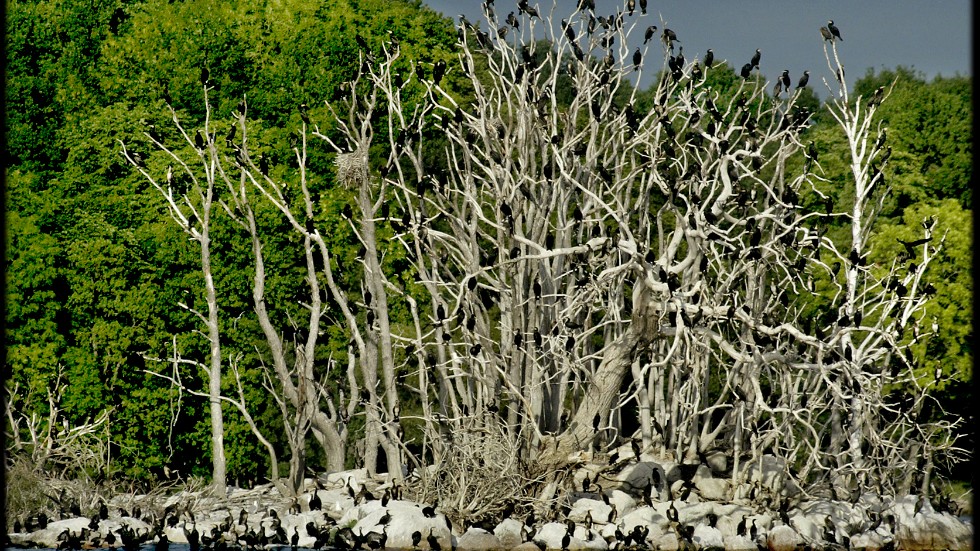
(96, 273)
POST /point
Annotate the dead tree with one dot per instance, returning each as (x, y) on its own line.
(569, 247)
(192, 211)
(228, 168)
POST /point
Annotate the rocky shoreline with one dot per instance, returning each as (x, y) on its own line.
(348, 510)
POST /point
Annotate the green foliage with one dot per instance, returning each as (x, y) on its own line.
(949, 348)
(932, 123)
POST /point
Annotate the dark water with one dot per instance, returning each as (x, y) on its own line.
(172, 547)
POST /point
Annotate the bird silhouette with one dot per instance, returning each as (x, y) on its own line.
(834, 31)
(433, 541)
(648, 34)
(803, 80)
(911, 245)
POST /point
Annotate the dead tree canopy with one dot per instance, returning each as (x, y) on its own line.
(595, 272)
(592, 263)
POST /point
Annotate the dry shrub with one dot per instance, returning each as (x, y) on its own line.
(480, 471)
(25, 490)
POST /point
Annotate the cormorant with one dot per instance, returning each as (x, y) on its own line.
(803, 80)
(876, 97)
(784, 78)
(746, 70)
(910, 245)
(524, 7)
(834, 31)
(569, 31)
(651, 30)
(433, 541)
(637, 59)
(416, 538)
(709, 58)
(756, 57)
(826, 34)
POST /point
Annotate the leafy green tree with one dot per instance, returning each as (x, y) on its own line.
(932, 122)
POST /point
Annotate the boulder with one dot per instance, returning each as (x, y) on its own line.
(740, 543)
(929, 530)
(598, 509)
(714, 489)
(770, 472)
(871, 540)
(406, 518)
(638, 477)
(624, 503)
(508, 532)
(707, 537)
(477, 539)
(48, 536)
(549, 537)
(783, 538)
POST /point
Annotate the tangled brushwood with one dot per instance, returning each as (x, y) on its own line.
(479, 472)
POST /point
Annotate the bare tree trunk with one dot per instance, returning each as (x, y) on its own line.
(219, 468)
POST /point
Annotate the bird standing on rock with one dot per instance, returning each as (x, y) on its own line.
(433, 541)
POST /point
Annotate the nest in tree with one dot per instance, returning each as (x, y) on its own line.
(351, 169)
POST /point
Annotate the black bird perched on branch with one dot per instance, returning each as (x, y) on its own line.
(438, 70)
(803, 80)
(651, 30)
(709, 58)
(756, 57)
(834, 31)
(524, 7)
(826, 34)
(637, 59)
(876, 97)
(784, 79)
(669, 37)
(746, 70)
(569, 31)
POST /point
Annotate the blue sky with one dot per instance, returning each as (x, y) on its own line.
(932, 37)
